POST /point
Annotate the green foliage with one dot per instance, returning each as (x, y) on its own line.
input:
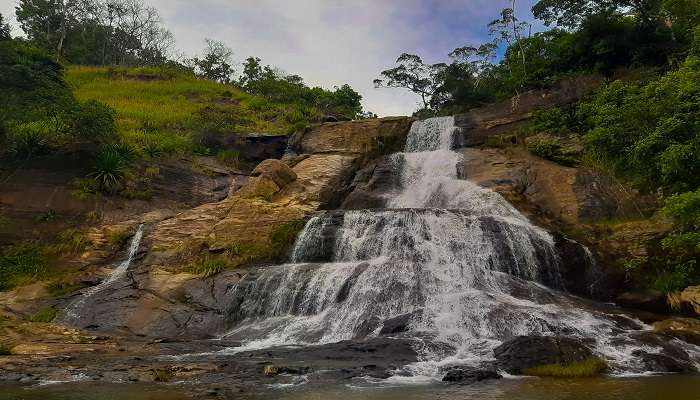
(45, 315)
(5, 350)
(650, 131)
(551, 150)
(556, 121)
(229, 157)
(118, 239)
(29, 139)
(20, 264)
(92, 120)
(282, 239)
(4, 29)
(71, 241)
(215, 65)
(109, 171)
(209, 266)
(585, 369)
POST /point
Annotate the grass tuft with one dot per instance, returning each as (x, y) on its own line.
(162, 375)
(5, 350)
(584, 369)
(46, 315)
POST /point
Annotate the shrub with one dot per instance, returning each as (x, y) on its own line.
(118, 239)
(45, 315)
(20, 264)
(30, 139)
(584, 369)
(556, 121)
(110, 171)
(550, 150)
(92, 120)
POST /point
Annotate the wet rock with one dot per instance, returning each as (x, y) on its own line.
(350, 282)
(468, 376)
(397, 324)
(651, 300)
(526, 352)
(672, 356)
(686, 329)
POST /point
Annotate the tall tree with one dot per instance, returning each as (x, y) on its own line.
(215, 63)
(4, 29)
(570, 13)
(413, 74)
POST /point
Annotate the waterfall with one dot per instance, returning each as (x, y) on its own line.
(465, 267)
(72, 312)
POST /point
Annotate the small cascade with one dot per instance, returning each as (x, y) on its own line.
(466, 268)
(72, 312)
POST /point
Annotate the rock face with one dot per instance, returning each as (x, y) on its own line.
(480, 124)
(157, 301)
(369, 137)
(525, 352)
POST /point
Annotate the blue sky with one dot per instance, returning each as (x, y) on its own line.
(331, 42)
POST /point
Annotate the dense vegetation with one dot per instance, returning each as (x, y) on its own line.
(644, 128)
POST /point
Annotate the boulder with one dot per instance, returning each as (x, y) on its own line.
(275, 170)
(690, 299)
(468, 376)
(396, 325)
(524, 352)
(647, 300)
(687, 329)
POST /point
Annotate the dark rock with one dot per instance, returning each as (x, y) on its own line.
(468, 376)
(664, 363)
(651, 300)
(672, 357)
(397, 324)
(580, 273)
(370, 186)
(525, 352)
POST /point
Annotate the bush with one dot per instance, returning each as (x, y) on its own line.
(110, 171)
(552, 151)
(92, 120)
(20, 264)
(30, 139)
(682, 247)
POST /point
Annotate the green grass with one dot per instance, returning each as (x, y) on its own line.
(166, 113)
(584, 369)
(71, 241)
(46, 315)
(22, 264)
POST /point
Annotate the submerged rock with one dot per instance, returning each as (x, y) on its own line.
(525, 352)
(467, 376)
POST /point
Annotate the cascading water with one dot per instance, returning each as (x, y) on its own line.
(72, 313)
(459, 261)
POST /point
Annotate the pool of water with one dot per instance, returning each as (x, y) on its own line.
(639, 388)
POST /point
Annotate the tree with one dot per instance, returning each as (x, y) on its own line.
(216, 62)
(570, 13)
(4, 29)
(413, 74)
(252, 71)
(509, 29)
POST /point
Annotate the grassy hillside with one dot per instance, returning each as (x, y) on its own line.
(162, 112)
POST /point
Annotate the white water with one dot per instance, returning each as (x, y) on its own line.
(469, 268)
(72, 312)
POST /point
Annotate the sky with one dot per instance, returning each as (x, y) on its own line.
(332, 42)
